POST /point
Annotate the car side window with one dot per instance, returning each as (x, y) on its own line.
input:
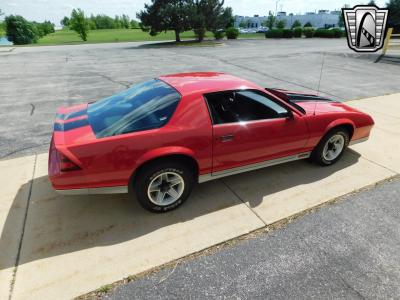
(242, 106)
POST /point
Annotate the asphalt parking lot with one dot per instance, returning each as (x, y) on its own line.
(35, 81)
(74, 245)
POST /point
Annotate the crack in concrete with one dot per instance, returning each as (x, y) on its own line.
(17, 260)
(32, 109)
(350, 287)
(126, 84)
(244, 202)
(373, 162)
(22, 149)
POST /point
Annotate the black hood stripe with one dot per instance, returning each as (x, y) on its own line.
(71, 125)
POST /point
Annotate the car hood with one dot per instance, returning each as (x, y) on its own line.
(323, 107)
(311, 103)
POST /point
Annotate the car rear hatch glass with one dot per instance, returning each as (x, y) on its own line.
(145, 106)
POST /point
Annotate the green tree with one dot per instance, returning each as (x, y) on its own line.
(20, 31)
(2, 24)
(372, 2)
(210, 15)
(117, 23)
(270, 22)
(134, 24)
(103, 22)
(296, 23)
(125, 22)
(163, 15)
(243, 24)
(280, 24)
(226, 20)
(92, 23)
(341, 20)
(79, 23)
(42, 29)
(394, 14)
(65, 22)
(308, 24)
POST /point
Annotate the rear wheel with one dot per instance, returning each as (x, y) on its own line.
(164, 186)
(331, 148)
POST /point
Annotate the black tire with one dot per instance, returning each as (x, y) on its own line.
(150, 172)
(317, 154)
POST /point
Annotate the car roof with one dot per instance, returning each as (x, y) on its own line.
(206, 82)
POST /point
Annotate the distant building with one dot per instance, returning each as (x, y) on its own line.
(322, 19)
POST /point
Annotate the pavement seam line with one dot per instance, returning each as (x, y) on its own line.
(14, 273)
(354, 152)
(244, 202)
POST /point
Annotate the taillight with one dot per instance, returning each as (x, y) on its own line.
(67, 165)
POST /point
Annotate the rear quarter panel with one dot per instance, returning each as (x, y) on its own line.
(111, 161)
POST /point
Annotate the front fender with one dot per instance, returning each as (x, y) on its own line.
(340, 122)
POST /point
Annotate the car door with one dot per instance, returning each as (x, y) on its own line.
(250, 127)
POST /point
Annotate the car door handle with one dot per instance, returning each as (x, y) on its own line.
(226, 138)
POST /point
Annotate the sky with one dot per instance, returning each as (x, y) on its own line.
(55, 10)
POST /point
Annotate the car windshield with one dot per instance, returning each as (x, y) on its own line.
(145, 106)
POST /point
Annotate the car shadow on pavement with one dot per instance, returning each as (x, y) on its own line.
(57, 224)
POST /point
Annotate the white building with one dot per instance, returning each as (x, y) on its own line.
(322, 19)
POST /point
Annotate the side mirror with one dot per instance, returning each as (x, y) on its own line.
(287, 115)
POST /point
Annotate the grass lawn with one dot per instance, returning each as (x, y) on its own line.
(252, 36)
(61, 37)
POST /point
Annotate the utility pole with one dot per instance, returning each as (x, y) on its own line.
(276, 7)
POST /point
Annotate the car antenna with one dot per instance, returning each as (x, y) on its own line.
(320, 78)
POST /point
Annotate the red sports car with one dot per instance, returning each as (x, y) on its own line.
(160, 137)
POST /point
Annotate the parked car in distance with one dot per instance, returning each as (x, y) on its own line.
(262, 30)
(159, 138)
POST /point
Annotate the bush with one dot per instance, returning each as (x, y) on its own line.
(232, 33)
(280, 24)
(42, 29)
(287, 33)
(328, 33)
(323, 33)
(219, 34)
(20, 31)
(308, 32)
(308, 24)
(296, 23)
(274, 34)
(337, 33)
(200, 33)
(297, 32)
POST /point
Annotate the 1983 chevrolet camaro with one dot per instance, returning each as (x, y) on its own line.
(158, 138)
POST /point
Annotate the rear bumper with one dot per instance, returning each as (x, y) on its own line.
(95, 191)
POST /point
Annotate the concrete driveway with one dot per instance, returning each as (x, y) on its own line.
(55, 246)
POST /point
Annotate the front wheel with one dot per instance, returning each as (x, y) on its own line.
(164, 186)
(331, 148)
